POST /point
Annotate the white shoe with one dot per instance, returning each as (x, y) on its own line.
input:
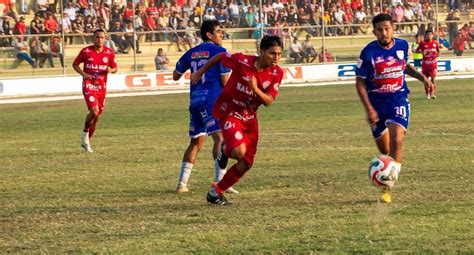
(182, 189)
(86, 147)
(428, 97)
(232, 190)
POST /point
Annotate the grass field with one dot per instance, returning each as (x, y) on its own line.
(307, 193)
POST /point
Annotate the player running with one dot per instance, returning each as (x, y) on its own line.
(382, 88)
(430, 50)
(203, 94)
(254, 81)
(98, 61)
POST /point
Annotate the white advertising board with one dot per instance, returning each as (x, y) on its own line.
(164, 80)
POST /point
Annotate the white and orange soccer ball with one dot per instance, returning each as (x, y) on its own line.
(382, 171)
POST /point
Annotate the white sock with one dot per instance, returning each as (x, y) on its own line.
(218, 172)
(398, 168)
(186, 169)
(85, 137)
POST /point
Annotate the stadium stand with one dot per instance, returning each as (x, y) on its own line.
(346, 27)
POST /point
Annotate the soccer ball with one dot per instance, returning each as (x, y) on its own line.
(382, 171)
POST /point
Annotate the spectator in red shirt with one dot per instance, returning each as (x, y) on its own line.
(127, 13)
(356, 4)
(20, 27)
(152, 11)
(325, 56)
(50, 24)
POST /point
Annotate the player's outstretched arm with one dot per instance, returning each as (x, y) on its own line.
(195, 77)
(419, 76)
(372, 115)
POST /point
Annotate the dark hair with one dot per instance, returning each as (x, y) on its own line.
(380, 18)
(99, 30)
(270, 41)
(428, 31)
(208, 26)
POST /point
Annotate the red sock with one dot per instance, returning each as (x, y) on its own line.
(232, 176)
(91, 132)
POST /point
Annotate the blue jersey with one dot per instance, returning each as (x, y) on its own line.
(384, 70)
(210, 86)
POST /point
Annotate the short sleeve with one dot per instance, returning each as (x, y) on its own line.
(80, 58)
(183, 63)
(230, 60)
(113, 63)
(362, 68)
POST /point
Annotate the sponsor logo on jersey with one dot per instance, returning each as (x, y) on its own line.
(95, 66)
(90, 59)
(244, 89)
(91, 99)
(379, 60)
(200, 54)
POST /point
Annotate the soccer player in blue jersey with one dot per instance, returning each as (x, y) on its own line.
(381, 86)
(202, 97)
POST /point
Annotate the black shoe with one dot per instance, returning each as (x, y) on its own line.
(219, 200)
(222, 159)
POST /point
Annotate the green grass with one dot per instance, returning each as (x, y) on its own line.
(307, 192)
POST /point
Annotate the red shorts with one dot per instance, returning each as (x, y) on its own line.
(429, 71)
(94, 98)
(236, 132)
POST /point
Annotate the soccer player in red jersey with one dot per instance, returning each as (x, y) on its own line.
(254, 81)
(98, 62)
(430, 50)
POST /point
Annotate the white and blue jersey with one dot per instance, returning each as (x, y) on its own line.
(384, 73)
(204, 93)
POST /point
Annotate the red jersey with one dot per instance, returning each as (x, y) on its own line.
(430, 51)
(237, 98)
(96, 64)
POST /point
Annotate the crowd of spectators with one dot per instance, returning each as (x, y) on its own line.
(176, 20)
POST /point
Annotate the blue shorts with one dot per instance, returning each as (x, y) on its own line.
(202, 122)
(397, 112)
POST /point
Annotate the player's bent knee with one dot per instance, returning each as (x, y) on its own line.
(239, 152)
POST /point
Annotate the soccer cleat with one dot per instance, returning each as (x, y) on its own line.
(182, 189)
(86, 147)
(428, 97)
(433, 97)
(232, 190)
(217, 200)
(222, 159)
(386, 196)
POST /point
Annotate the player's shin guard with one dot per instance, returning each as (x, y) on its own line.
(232, 176)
